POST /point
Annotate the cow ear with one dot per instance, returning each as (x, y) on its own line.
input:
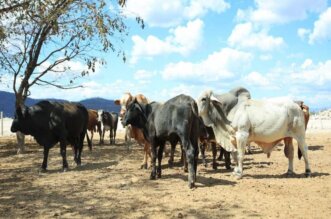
(117, 102)
(213, 98)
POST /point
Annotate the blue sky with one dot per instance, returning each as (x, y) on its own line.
(273, 48)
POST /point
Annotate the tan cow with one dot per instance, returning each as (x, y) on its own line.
(93, 124)
(288, 149)
(135, 132)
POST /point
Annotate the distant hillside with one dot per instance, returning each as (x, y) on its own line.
(7, 102)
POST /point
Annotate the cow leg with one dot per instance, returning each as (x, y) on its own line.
(304, 149)
(227, 159)
(100, 132)
(242, 137)
(146, 154)
(203, 145)
(196, 156)
(92, 132)
(289, 153)
(190, 156)
(63, 150)
(153, 173)
(103, 136)
(184, 160)
(214, 151)
(159, 157)
(110, 136)
(172, 154)
(221, 154)
(79, 149)
(44, 164)
(114, 137)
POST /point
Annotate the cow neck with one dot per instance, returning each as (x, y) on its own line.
(146, 111)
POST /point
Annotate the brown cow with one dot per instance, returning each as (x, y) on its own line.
(136, 133)
(93, 124)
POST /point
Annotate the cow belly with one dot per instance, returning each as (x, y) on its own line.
(267, 147)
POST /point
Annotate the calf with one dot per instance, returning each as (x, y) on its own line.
(93, 124)
(109, 122)
(53, 122)
(173, 121)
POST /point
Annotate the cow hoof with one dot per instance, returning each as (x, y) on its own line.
(159, 175)
(65, 169)
(191, 185)
(289, 173)
(152, 177)
(143, 166)
(308, 173)
(237, 173)
(42, 170)
(228, 167)
(170, 164)
(214, 166)
(185, 170)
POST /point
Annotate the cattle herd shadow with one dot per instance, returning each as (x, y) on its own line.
(315, 147)
(285, 175)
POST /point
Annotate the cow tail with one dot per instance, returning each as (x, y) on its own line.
(88, 141)
(299, 154)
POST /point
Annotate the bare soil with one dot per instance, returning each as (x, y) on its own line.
(110, 184)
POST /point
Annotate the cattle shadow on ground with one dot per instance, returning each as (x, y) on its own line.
(315, 147)
(285, 176)
(204, 181)
(94, 166)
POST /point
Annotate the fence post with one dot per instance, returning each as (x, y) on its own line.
(1, 118)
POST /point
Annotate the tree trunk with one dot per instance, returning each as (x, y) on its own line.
(19, 135)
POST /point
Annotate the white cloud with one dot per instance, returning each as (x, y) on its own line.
(265, 57)
(257, 79)
(322, 27)
(302, 33)
(143, 75)
(244, 36)
(198, 8)
(220, 65)
(307, 63)
(172, 12)
(313, 74)
(275, 11)
(182, 40)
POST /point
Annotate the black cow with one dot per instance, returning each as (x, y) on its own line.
(175, 120)
(210, 138)
(53, 122)
(109, 122)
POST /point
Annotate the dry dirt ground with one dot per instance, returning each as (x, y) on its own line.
(111, 185)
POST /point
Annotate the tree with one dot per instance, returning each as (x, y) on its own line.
(42, 36)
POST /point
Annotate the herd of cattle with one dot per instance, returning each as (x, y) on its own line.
(231, 120)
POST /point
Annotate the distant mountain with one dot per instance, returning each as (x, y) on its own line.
(7, 103)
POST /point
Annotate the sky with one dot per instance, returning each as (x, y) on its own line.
(274, 48)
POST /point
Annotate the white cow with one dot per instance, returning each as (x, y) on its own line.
(263, 122)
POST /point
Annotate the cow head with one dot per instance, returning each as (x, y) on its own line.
(22, 120)
(211, 109)
(100, 115)
(124, 102)
(135, 115)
